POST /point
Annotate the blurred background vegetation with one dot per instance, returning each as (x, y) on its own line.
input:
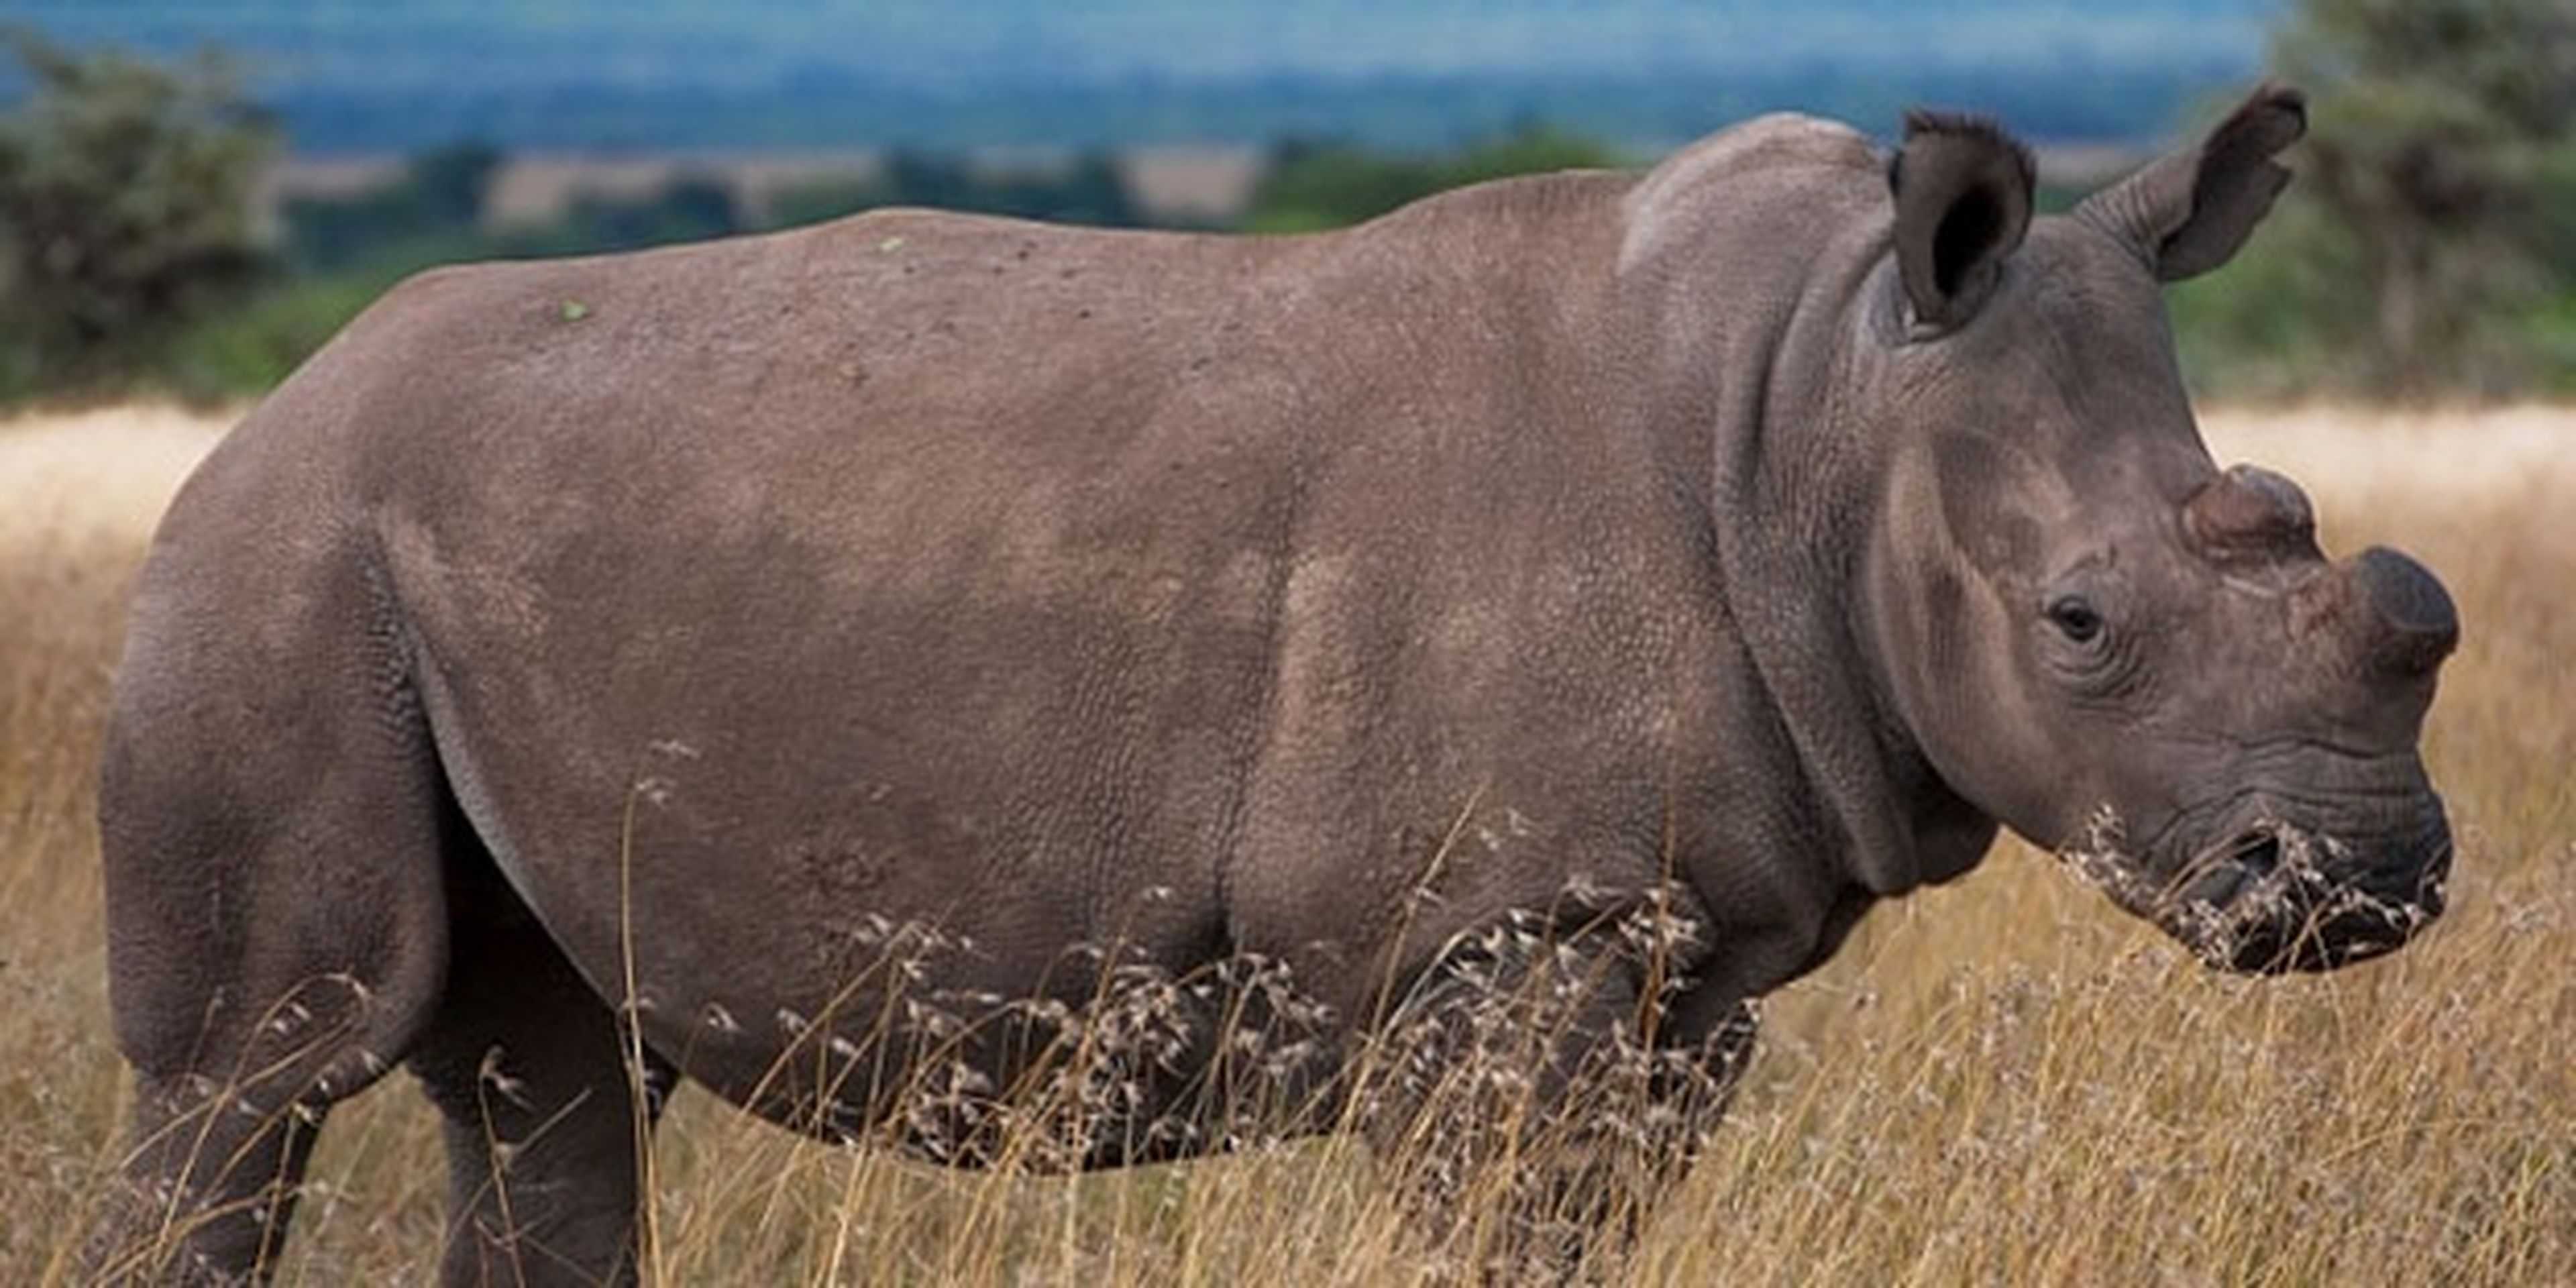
(2427, 250)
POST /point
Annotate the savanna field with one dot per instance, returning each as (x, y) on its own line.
(2005, 1081)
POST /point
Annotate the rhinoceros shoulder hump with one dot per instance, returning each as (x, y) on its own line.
(1670, 203)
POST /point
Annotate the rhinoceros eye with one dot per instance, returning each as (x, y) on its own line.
(2075, 618)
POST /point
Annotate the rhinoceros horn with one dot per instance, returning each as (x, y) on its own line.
(2412, 624)
(2188, 211)
(2249, 518)
(2251, 513)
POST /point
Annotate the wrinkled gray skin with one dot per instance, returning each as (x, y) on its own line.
(689, 626)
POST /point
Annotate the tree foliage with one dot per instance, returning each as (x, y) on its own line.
(2428, 241)
(125, 206)
(691, 207)
(437, 202)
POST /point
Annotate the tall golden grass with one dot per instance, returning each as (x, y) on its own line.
(2004, 1081)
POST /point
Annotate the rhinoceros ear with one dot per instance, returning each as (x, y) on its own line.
(2188, 211)
(1962, 190)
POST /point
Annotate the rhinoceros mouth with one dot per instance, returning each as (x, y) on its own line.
(2275, 897)
(2220, 876)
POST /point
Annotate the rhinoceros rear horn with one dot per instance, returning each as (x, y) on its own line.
(2251, 512)
(1963, 192)
(2187, 212)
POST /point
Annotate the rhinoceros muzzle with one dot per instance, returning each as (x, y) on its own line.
(2280, 898)
(2363, 868)
(2277, 897)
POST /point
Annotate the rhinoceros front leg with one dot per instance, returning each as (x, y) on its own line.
(1537, 1092)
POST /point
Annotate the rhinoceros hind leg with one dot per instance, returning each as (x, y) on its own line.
(210, 1184)
(526, 1063)
(270, 821)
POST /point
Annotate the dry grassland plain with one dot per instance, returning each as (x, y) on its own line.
(2005, 1081)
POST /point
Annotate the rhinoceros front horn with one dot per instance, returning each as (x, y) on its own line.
(2411, 623)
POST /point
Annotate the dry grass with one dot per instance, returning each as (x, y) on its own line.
(2001, 1082)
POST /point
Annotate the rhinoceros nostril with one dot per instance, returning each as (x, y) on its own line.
(2229, 870)
(2259, 854)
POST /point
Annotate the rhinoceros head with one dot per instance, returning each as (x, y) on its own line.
(2095, 634)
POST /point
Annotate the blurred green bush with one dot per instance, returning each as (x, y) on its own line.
(1312, 186)
(125, 211)
(2427, 248)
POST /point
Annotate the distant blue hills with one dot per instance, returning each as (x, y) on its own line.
(658, 75)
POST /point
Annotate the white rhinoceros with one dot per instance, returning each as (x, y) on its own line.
(851, 667)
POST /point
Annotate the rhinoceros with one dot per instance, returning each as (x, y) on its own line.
(850, 667)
